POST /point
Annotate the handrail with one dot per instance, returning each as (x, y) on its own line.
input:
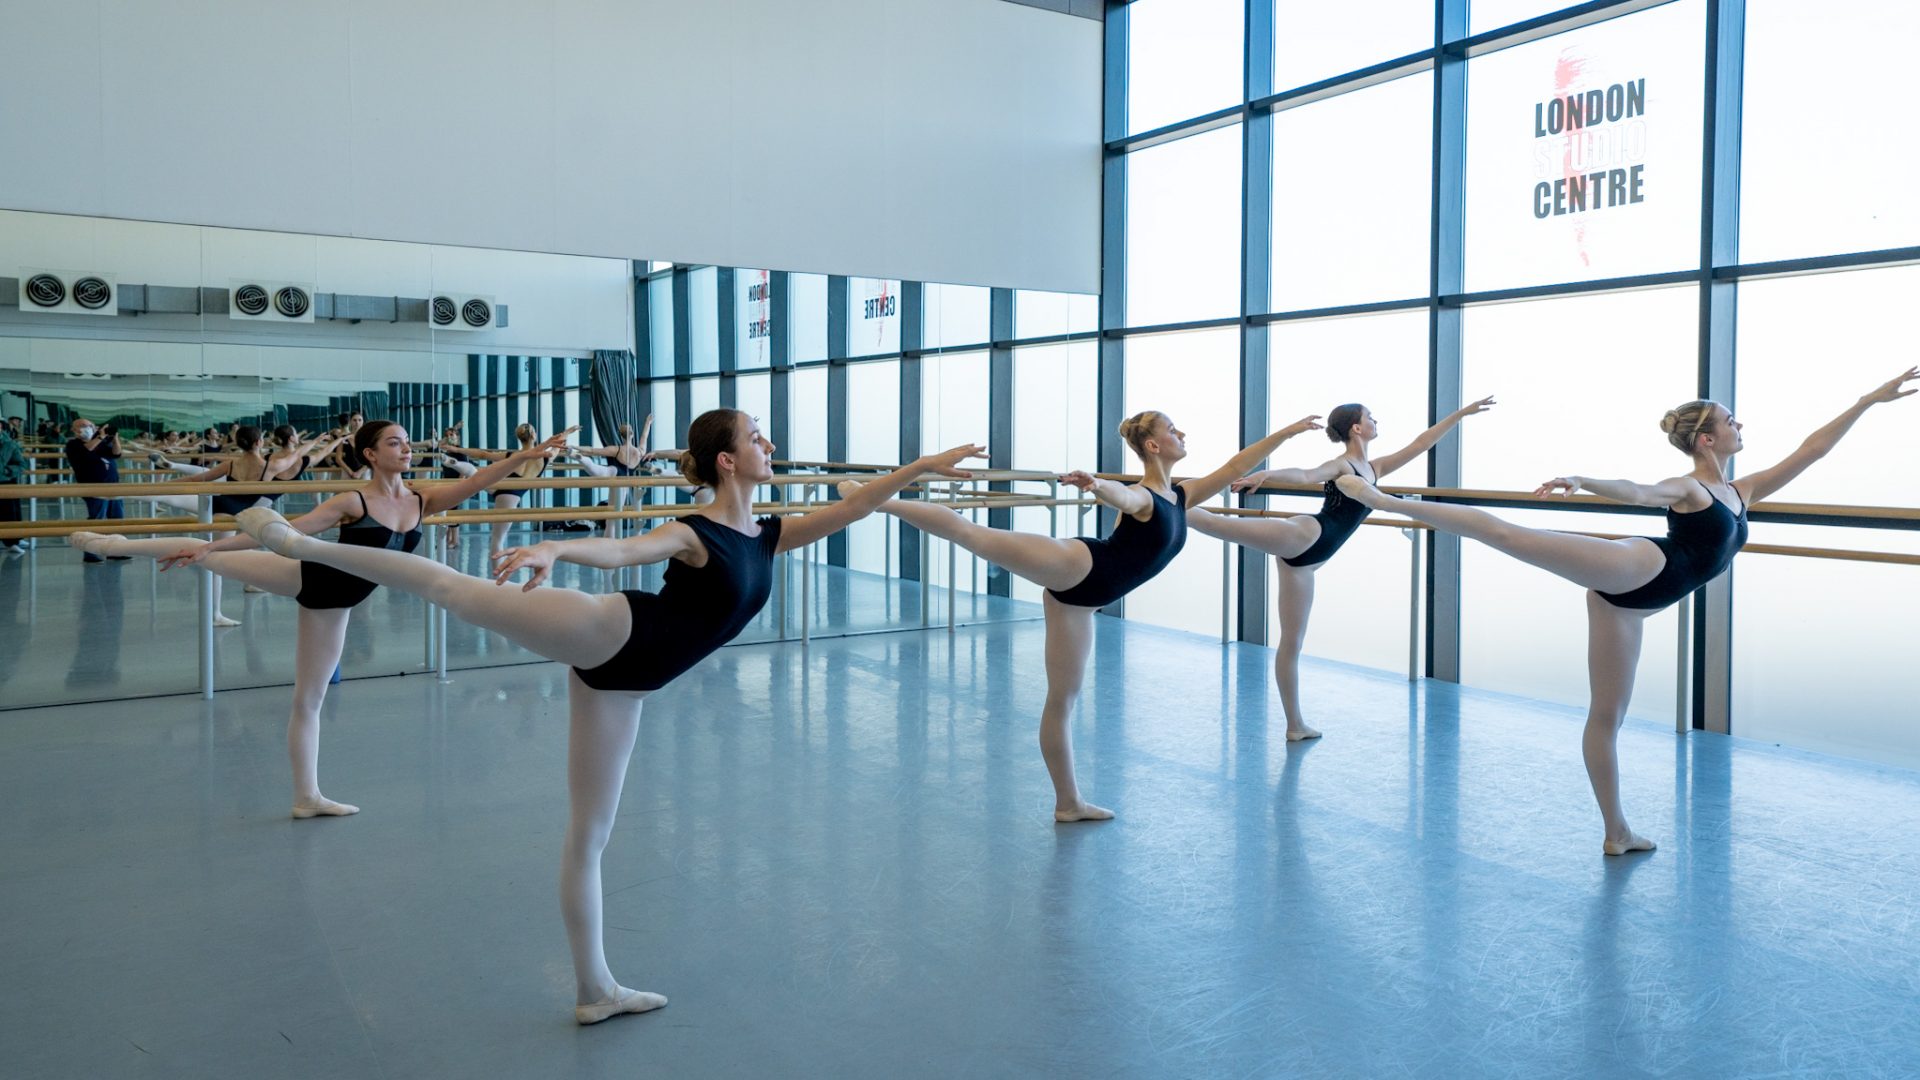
(1527, 499)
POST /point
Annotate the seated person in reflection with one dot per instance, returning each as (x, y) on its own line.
(94, 453)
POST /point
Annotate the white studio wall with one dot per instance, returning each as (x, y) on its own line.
(937, 140)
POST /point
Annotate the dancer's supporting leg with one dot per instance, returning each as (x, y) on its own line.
(1051, 564)
(601, 729)
(317, 648)
(1282, 538)
(1069, 640)
(560, 624)
(1612, 566)
(1614, 634)
(501, 528)
(1613, 655)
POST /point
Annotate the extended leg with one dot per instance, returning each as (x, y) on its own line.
(1281, 537)
(600, 736)
(1296, 605)
(262, 569)
(1613, 655)
(560, 624)
(322, 635)
(1613, 566)
(1044, 560)
(1069, 640)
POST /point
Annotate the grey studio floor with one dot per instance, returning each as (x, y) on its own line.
(839, 861)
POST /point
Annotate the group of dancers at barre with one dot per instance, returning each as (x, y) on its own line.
(623, 646)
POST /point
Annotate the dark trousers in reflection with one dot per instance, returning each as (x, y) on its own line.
(9, 512)
(13, 585)
(105, 508)
(96, 650)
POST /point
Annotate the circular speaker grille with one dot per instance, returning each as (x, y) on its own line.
(291, 302)
(92, 293)
(476, 312)
(443, 311)
(250, 300)
(45, 290)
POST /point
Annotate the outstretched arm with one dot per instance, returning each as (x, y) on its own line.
(1669, 492)
(1202, 488)
(1125, 498)
(1819, 444)
(798, 532)
(452, 495)
(1428, 438)
(670, 540)
(1319, 474)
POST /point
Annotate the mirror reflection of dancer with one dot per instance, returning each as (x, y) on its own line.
(622, 646)
(528, 469)
(1082, 575)
(624, 459)
(384, 513)
(1301, 545)
(1630, 579)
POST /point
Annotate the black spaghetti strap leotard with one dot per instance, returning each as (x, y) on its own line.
(1339, 516)
(1132, 553)
(322, 586)
(697, 610)
(1699, 546)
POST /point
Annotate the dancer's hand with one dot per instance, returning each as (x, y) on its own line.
(1890, 390)
(1080, 478)
(1250, 481)
(551, 448)
(947, 462)
(1477, 407)
(1559, 485)
(1301, 426)
(186, 556)
(538, 558)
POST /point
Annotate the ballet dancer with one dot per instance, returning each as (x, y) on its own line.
(325, 596)
(1082, 575)
(509, 498)
(1300, 545)
(624, 459)
(1629, 579)
(622, 646)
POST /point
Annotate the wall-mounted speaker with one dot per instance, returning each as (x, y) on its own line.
(460, 311)
(68, 292)
(271, 301)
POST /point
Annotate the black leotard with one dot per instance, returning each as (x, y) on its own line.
(1339, 516)
(321, 586)
(697, 610)
(522, 492)
(1698, 545)
(1132, 553)
(233, 504)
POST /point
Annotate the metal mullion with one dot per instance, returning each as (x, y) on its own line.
(1210, 121)
(1342, 311)
(779, 346)
(1113, 263)
(837, 348)
(1020, 342)
(1359, 79)
(1544, 26)
(1256, 276)
(1730, 270)
(1631, 283)
(1173, 327)
(1444, 330)
(682, 352)
(1000, 435)
(912, 337)
(729, 348)
(1712, 645)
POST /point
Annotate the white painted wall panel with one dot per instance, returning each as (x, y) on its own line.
(940, 140)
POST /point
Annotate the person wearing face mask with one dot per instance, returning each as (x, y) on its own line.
(94, 454)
